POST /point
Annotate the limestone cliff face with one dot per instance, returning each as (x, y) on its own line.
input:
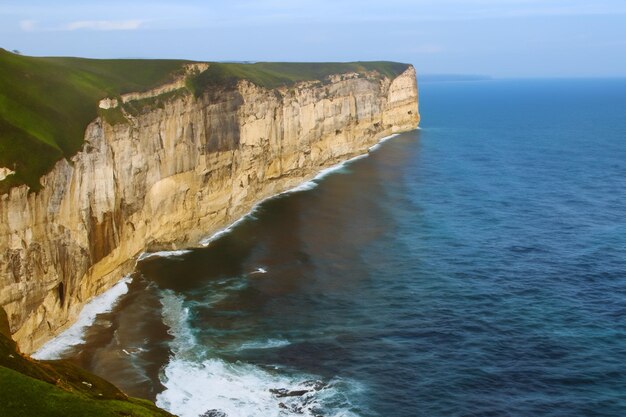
(172, 176)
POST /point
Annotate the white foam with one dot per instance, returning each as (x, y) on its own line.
(264, 344)
(195, 384)
(244, 390)
(176, 318)
(237, 389)
(380, 142)
(163, 254)
(75, 335)
(305, 186)
(206, 241)
(259, 271)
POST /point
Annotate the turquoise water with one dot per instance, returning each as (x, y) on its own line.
(475, 267)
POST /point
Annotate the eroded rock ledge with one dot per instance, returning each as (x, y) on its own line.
(173, 174)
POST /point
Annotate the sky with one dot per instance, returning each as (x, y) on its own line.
(500, 38)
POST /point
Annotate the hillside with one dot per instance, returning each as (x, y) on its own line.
(46, 103)
(58, 388)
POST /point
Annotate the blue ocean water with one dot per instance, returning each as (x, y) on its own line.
(475, 267)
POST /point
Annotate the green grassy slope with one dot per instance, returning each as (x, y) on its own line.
(46, 103)
(58, 388)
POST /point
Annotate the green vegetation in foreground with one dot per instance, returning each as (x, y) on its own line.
(278, 74)
(46, 103)
(59, 388)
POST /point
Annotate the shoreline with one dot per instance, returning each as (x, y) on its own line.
(105, 302)
(74, 335)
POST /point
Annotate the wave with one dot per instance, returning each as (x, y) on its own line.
(243, 390)
(75, 334)
(196, 384)
(264, 344)
(206, 241)
(176, 317)
(380, 142)
(163, 254)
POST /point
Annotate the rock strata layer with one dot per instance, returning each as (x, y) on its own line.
(174, 174)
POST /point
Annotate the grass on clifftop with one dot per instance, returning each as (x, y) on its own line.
(59, 388)
(277, 74)
(46, 103)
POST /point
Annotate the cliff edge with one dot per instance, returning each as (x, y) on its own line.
(167, 167)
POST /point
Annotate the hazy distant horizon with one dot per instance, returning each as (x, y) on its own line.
(502, 39)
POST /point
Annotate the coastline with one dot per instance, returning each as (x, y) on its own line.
(74, 335)
(106, 301)
(202, 180)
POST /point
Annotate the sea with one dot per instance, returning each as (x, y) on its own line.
(473, 267)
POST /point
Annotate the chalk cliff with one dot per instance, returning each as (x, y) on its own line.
(172, 174)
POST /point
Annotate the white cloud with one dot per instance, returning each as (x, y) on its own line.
(106, 25)
(28, 25)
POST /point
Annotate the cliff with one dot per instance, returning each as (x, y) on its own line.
(163, 171)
